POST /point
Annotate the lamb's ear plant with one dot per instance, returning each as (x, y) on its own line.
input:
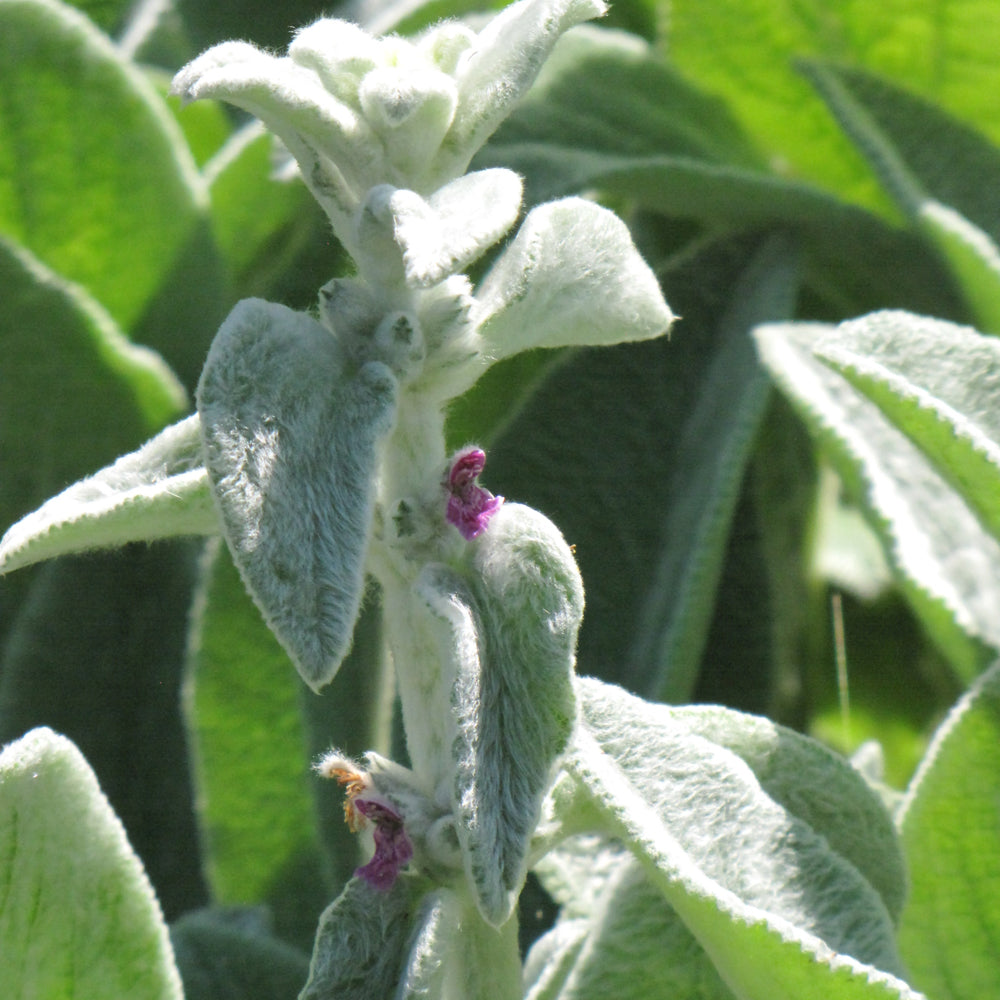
(686, 850)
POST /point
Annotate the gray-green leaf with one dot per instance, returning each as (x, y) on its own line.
(627, 943)
(947, 564)
(362, 943)
(763, 870)
(291, 432)
(159, 491)
(571, 276)
(939, 384)
(511, 631)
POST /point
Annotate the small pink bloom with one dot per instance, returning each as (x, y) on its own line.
(470, 507)
(393, 849)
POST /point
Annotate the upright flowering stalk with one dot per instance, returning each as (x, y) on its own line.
(321, 439)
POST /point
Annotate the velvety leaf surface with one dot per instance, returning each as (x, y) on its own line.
(807, 780)
(157, 492)
(950, 829)
(946, 563)
(511, 630)
(95, 179)
(759, 886)
(453, 952)
(458, 223)
(571, 275)
(437, 925)
(62, 356)
(626, 943)
(940, 385)
(77, 914)
(291, 433)
(508, 55)
(362, 942)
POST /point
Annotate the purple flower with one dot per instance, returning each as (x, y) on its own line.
(470, 507)
(392, 846)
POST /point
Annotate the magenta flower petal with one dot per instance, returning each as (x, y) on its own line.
(470, 507)
(393, 849)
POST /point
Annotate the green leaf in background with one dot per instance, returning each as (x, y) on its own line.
(771, 880)
(609, 93)
(95, 178)
(650, 442)
(231, 954)
(974, 260)
(262, 807)
(106, 14)
(951, 831)
(251, 209)
(266, 25)
(74, 393)
(916, 149)
(96, 651)
(941, 173)
(946, 563)
(77, 914)
(251, 763)
(608, 114)
(940, 385)
(948, 56)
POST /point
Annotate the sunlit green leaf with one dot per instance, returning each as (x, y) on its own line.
(941, 173)
(251, 763)
(95, 179)
(744, 51)
(77, 914)
(951, 830)
(251, 207)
